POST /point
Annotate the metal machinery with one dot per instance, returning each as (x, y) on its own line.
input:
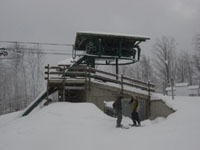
(107, 49)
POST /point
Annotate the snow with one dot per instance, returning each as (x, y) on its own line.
(194, 87)
(109, 103)
(181, 84)
(68, 61)
(170, 88)
(113, 34)
(82, 126)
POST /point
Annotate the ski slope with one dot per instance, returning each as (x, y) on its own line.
(82, 126)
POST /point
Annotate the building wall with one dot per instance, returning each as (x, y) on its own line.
(193, 92)
(98, 93)
(159, 109)
(182, 91)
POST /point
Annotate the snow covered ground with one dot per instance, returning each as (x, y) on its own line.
(82, 126)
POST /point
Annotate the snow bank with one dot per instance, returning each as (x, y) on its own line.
(82, 126)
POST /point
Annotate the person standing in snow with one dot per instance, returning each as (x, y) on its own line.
(118, 109)
(135, 109)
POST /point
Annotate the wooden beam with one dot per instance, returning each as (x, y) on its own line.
(74, 87)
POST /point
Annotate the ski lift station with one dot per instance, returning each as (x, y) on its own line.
(79, 81)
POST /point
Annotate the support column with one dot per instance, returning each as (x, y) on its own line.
(117, 68)
(47, 81)
(149, 100)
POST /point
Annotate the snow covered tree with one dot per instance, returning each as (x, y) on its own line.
(141, 70)
(34, 64)
(146, 69)
(197, 57)
(21, 77)
(164, 57)
(184, 68)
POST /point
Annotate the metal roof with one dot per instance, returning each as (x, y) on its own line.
(114, 35)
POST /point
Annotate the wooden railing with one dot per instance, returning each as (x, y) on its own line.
(59, 72)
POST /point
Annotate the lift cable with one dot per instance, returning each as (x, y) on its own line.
(36, 43)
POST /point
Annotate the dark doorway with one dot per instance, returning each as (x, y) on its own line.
(72, 96)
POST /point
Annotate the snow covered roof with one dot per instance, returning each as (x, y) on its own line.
(181, 84)
(114, 35)
(194, 87)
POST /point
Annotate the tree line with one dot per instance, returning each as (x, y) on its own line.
(21, 77)
(167, 64)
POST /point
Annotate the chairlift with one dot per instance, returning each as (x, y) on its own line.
(3, 52)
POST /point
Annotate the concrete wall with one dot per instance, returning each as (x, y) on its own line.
(98, 93)
(159, 109)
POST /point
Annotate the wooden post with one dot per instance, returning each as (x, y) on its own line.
(86, 78)
(99, 48)
(122, 88)
(120, 48)
(149, 100)
(163, 88)
(64, 84)
(47, 81)
(89, 77)
(117, 68)
(172, 87)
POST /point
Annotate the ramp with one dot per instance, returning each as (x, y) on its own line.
(37, 101)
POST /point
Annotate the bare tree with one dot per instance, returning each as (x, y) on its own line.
(184, 68)
(21, 79)
(141, 70)
(164, 57)
(146, 69)
(34, 71)
(196, 57)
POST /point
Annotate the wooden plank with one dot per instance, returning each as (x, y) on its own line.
(52, 67)
(136, 86)
(70, 73)
(116, 81)
(55, 72)
(104, 79)
(68, 78)
(124, 77)
(80, 81)
(79, 68)
(138, 81)
(134, 80)
(82, 71)
(103, 72)
(74, 87)
(66, 67)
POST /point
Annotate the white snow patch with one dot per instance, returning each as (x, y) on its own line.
(82, 126)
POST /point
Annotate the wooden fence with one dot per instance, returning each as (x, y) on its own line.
(64, 72)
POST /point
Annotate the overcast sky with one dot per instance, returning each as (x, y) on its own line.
(57, 21)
